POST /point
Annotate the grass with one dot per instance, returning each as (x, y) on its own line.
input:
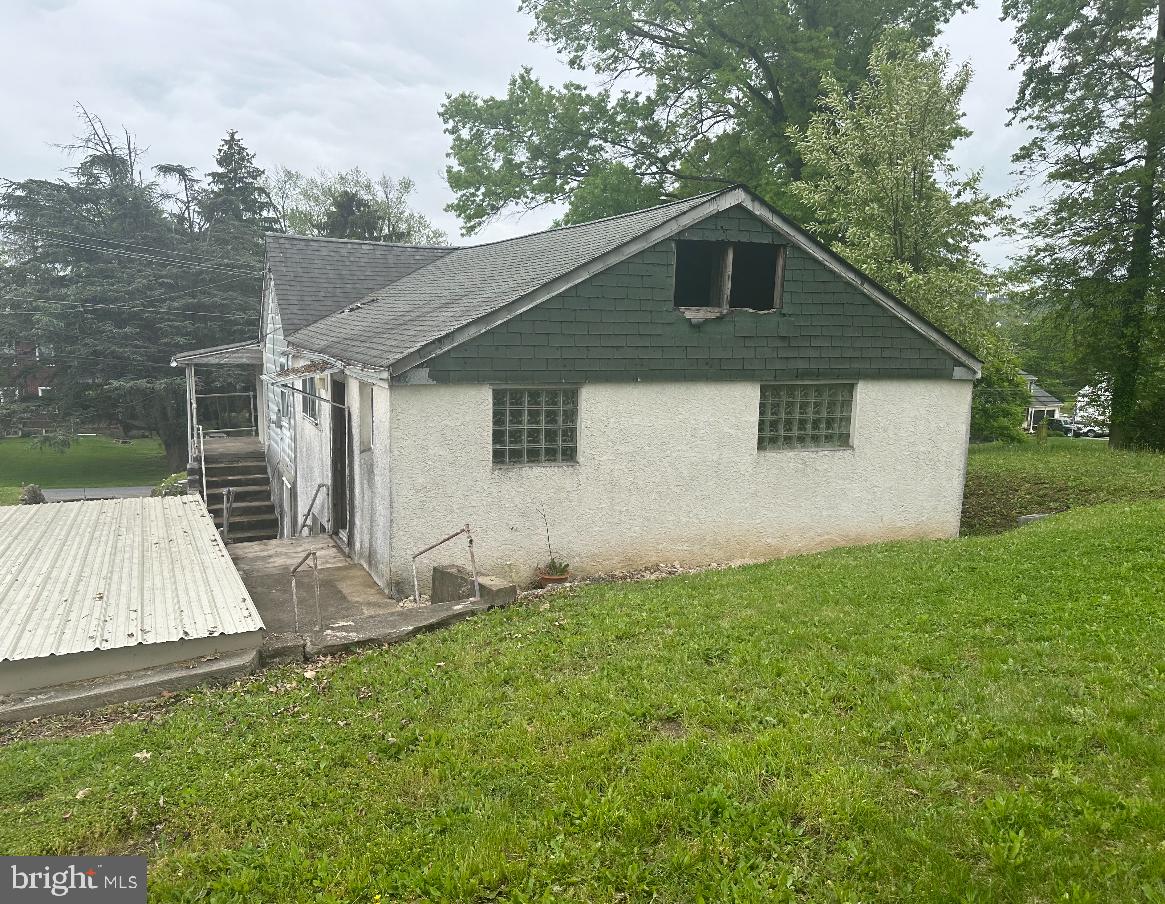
(92, 461)
(1006, 480)
(923, 721)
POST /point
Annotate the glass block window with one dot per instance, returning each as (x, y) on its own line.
(535, 426)
(805, 416)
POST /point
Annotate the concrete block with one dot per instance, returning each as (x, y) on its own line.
(452, 583)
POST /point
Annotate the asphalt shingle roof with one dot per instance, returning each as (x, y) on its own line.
(1041, 398)
(468, 283)
(315, 277)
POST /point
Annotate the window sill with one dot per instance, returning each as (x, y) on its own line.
(699, 315)
(806, 449)
(495, 466)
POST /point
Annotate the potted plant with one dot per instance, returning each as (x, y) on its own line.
(555, 571)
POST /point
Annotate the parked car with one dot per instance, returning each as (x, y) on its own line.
(1060, 425)
(1092, 431)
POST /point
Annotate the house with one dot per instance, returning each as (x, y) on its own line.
(1042, 405)
(697, 382)
(27, 369)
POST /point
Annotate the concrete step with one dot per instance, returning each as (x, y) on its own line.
(252, 535)
(249, 521)
(247, 493)
(231, 468)
(218, 481)
(240, 506)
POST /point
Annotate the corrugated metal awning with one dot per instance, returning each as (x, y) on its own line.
(231, 353)
(83, 576)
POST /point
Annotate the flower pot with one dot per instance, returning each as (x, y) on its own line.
(552, 580)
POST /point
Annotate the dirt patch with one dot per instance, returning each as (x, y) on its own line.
(671, 728)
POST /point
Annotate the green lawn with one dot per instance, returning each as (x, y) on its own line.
(92, 461)
(970, 720)
(1007, 480)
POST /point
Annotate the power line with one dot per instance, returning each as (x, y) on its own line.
(119, 307)
(132, 305)
(152, 258)
(128, 362)
(131, 245)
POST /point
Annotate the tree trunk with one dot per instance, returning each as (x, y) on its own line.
(1126, 375)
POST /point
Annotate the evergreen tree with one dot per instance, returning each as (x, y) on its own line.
(236, 201)
(108, 269)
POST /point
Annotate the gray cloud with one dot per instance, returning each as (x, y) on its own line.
(343, 84)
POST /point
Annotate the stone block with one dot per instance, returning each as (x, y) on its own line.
(453, 582)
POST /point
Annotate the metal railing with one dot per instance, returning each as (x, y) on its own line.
(472, 563)
(252, 428)
(228, 503)
(315, 567)
(201, 458)
(311, 506)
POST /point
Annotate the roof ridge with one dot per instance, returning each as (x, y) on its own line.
(328, 238)
(614, 216)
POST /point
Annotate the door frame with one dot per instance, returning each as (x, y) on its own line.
(341, 464)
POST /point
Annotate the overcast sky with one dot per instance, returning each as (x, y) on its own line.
(341, 84)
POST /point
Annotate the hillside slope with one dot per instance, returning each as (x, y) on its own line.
(925, 721)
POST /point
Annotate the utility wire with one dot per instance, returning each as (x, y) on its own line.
(142, 301)
(153, 258)
(119, 307)
(130, 245)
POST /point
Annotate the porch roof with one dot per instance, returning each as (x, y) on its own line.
(247, 352)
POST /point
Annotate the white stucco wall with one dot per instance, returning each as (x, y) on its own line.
(670, 472)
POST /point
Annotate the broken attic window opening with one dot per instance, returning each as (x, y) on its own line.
(729, 275)
(535, 426)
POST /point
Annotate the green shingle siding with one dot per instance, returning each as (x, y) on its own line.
(620, 325)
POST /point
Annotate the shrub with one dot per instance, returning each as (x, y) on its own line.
(31, 494)
(174, 485)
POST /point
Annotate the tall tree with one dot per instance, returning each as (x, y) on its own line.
(714, 86)
(884, 191)
(351, 205)
(235, 203)
(103, 265)
(1093, 91)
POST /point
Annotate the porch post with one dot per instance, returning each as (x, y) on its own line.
(191, 417)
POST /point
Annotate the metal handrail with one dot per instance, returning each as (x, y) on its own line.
(472, 563)
(315, 565)
(311, 506)
(228, 503)
(201, 460)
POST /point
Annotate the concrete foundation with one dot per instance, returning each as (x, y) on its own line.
(49, 671)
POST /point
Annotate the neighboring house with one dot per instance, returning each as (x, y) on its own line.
(697, 382)
(1043, 404)
(27, 369)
